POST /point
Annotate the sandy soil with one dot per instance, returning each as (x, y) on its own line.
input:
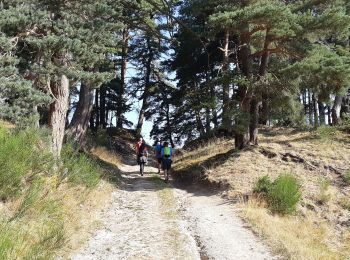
(151, 220)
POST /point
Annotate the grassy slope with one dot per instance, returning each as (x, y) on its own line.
(45, 209)
(320, 228)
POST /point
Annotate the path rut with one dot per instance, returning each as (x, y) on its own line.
(152, 220)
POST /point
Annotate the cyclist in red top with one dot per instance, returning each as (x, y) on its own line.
(142, 153)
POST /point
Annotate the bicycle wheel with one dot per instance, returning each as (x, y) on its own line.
(142, 168)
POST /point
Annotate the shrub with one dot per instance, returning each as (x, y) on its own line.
(79, 168)
(263, 185)
(284, 194)
(19, 157)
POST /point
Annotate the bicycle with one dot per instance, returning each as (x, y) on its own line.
(142, 163)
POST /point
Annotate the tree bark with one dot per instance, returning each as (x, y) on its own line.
(243, 95)
(214, 113)
(262, 72)
(315, 109)
(80, 121)
(329, 113)
(120, 105)
(168, 124)
(322, 110)
(207, 120)
(304, 101)
(199, 123)
(254, 120)
(310, 106)
(103, 107)
(226, 118)
(57, 113)
(336, 120)
(345, 107)
(146, 91)
(97, 108)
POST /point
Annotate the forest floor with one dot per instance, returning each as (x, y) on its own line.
(149, 219)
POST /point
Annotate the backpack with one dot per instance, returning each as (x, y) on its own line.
(167, 152)
(141, 149)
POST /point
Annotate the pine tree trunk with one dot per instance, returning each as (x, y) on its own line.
(58, 112)
(315, 109)
(226, 118)
(264, 117)
(214, 113)
(120, 105)
(336, 110)
(80, 121)
(304, 102)
(200, 127)
(103, 107)
(329, 113)
(322, 110)
(168, 124)
(345, 107)
(146, 91)
(243, 97)
(92, 120)
(310, 106)
(207, 120)
(262, 72)
(254, 120)
(97, 108)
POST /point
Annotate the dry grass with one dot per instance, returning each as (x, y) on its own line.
(295, 237)
(60, 217)
(203, 153)
(106, 155)
(319, 230)
(7, 125)
(82, 208)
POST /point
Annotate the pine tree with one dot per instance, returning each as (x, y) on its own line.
(18, 98)
(64, 43)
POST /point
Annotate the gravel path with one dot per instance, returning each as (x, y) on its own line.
(219, 232)
(151, 220)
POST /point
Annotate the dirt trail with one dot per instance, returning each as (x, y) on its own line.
(152, 220)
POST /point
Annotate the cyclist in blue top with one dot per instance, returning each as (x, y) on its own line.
(167, 153)
(157, 152)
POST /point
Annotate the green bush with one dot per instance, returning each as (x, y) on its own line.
(19, 157)
(263, 185)
(282, 195)
(79, 168)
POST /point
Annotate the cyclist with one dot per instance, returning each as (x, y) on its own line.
(167, 153)
(158, 154)
(142, 154)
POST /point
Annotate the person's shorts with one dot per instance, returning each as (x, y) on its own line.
(166, 163)
(159, 160)
(142, 159)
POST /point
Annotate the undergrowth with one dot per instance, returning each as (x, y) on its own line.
(282, 195)
(32, 190)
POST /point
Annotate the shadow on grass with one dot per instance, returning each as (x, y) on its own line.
(196, 173)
